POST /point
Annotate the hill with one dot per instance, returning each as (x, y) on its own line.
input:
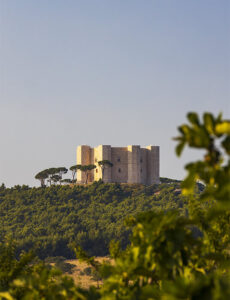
(50, 219)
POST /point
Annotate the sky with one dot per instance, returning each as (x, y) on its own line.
(108, 72)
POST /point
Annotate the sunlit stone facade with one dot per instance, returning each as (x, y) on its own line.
(131, 164)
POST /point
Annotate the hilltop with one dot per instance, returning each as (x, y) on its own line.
(50, 219)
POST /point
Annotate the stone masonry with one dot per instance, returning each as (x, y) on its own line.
(131, 164)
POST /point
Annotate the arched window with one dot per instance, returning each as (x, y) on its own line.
(119, 170)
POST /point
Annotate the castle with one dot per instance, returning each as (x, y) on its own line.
(131, 164)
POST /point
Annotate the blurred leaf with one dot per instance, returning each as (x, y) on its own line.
(179, 148)
(6, 295)
(209, 123)
(184, 129)
(193, 118)
(223, 128)
(226, 144)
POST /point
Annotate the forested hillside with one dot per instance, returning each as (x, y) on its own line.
(49, 219)
(164, 260)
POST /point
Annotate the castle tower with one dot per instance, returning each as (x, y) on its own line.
(102, 152)
(134, 157)
(131, 164)
(153, 165)
(84, 158)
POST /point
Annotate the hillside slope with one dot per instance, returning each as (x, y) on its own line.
(49, 219)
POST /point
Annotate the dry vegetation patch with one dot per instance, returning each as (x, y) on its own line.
(84, 275)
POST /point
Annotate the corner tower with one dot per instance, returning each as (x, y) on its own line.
(153, 165)
(134, 161)
(102, 152)
(84, 154)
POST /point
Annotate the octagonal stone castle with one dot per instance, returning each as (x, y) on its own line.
(131, 164)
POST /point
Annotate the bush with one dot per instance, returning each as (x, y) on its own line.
(87, 271)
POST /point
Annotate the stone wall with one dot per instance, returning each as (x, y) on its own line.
(119, 159)
(143, 165)
(134, 158)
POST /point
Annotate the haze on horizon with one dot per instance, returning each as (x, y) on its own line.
(106, 72)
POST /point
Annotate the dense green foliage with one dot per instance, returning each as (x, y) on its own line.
(49, 219)
(28, 279)
(165, 259)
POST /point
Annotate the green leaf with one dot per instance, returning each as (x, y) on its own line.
(226, 144)
(179, 148)
(223, 128)
(193, 118)
(184, 129)
(219, 118)
(6, 295)
(209, 122)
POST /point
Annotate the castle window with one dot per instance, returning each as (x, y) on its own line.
(96, 170)
(118, 159)
(119, 170)
(141, 170)
(141, 160)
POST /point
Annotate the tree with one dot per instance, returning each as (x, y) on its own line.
(55, 174)
(56, 178)
(42, 176)
(2, 187)
(104, 164)
(166, 258)
(171, 255)
(74, 171)
(61, 171)
(86, 170)
(51, 172)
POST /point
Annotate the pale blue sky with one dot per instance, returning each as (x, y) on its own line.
(113, 72)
